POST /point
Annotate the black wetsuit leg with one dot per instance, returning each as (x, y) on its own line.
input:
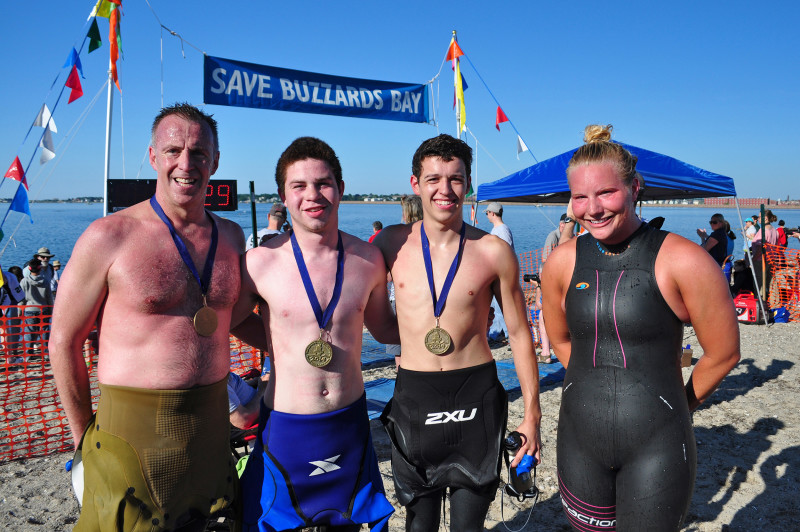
(468, 510)
(424, 513)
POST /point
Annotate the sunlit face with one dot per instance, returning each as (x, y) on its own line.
(312, 195)
(602, 203)
(441, 187)
(184, 158)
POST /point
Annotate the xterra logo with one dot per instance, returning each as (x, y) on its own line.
(435, 418)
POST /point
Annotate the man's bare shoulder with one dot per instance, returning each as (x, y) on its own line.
(355, 246)
(112, 229)
(230, 229)
(392, 238)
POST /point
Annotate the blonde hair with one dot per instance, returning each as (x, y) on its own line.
(599, 148)
(412, 208)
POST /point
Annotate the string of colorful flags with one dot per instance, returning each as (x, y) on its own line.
(111, 10)
(454, 53)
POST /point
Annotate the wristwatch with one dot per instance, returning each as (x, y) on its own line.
(568, 220)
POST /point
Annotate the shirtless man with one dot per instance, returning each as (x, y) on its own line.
(156, 454)
(317, 466)
(452, 403)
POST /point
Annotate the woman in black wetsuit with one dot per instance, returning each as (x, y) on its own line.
(615, 302)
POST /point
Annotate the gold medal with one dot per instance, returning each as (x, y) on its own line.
(319, 353)
(438, 341)
(205, 320)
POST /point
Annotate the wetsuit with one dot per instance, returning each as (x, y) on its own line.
(318, 469)
(157, 460)
(446, 429)
(626, 449)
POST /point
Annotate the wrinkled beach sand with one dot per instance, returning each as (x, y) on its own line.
(748, 453)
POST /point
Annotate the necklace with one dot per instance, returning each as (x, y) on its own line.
(604, 251)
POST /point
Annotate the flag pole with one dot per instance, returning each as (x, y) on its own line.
(456, 73)
(109, 107)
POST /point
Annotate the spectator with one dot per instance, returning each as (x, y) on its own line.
(782, 240)
(494, 211)
(56, 277)
(717, 242)
(377, 226)
(412, 212)
(276, 218)
(11, 295)
(38, 301)
(749, 233)
(44, 256)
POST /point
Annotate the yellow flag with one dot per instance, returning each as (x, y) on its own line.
(461, 109)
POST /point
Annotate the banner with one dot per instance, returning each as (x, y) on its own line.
(240, 84)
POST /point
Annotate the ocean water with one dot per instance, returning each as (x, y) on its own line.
(58, 225)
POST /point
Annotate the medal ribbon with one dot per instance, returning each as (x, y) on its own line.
(438, 304)
(205, 281)
(322, 318)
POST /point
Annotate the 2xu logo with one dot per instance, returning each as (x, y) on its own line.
(457, 416)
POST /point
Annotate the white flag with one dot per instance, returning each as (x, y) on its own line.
(48, 151)
(521, 147)
(44, 119)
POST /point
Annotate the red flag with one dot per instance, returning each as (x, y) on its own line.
(16, 172)
(113, 25)
(454, 51)
(501, 117)
(74, 83)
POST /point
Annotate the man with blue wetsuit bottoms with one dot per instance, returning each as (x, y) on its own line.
(314, 462)
(615, 302)
(447, 418)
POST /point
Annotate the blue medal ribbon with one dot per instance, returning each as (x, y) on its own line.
(438, 303)
(205, 281)
(322, 318)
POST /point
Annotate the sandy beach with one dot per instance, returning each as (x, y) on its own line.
(748, 453)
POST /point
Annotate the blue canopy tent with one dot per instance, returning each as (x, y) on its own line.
(665, 178)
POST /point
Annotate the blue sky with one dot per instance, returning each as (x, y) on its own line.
(714, 84)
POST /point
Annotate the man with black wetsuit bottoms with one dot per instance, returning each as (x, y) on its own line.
(615, 302)
(448, 414)
(314, 463)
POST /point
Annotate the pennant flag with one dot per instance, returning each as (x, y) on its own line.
(74, 60)
(102, 9)
(461, 112)
(45, 119)
(521, 147)
(501, 117)
(453, 51)
(74, 83)
(16, 172)
(20, 203)
(95, 41)
(472, 214)
(115, 39)
(48, 152)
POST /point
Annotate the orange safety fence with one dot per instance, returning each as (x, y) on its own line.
(32, 422)
(530, 263)
(784, 287)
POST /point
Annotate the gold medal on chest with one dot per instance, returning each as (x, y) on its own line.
(438, 341)
(319, 353)
(205, 320)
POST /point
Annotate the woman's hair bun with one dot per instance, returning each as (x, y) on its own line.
(597, 133)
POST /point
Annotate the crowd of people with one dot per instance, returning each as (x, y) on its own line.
(175, 280)
(27, 295)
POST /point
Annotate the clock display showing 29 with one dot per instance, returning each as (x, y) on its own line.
(122, 193)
